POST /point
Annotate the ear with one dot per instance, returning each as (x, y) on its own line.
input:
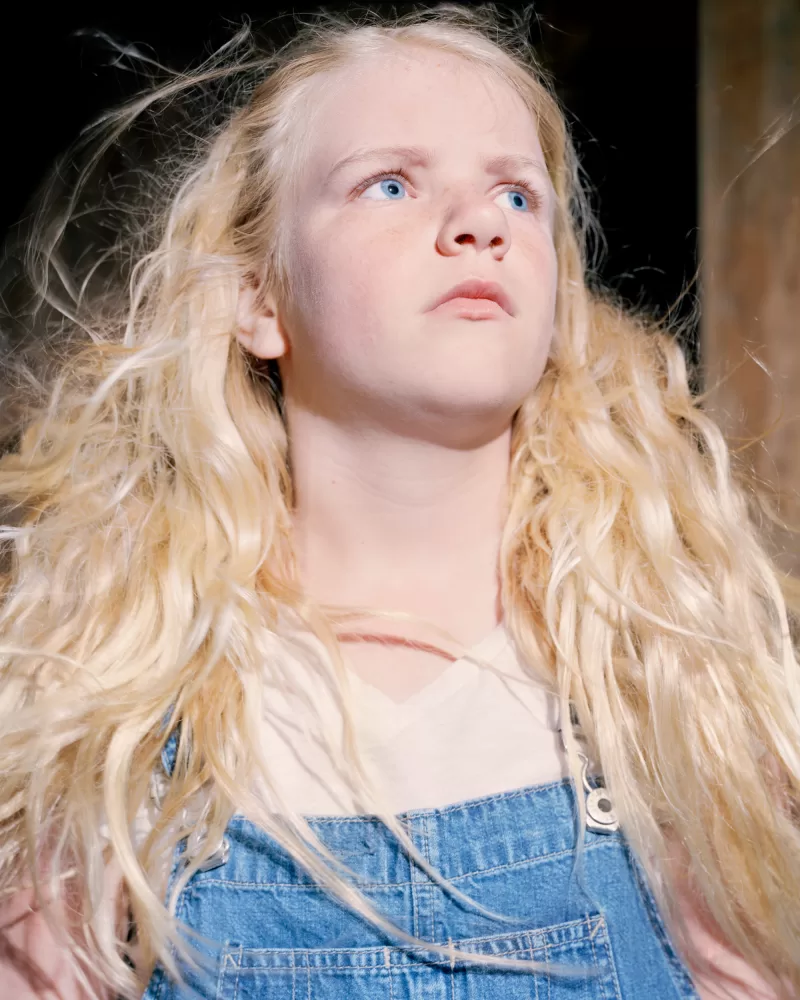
(259, 329)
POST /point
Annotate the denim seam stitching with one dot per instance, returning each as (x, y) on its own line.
(236, 989)
(222, 967)
(380, 969)
(604, 844)
(612, 963)
(547, 974)
(594, 952)
(611, 960)
(590, 923)
(413, 883)
(526, 861)
(592, 937)
(430, 887)
(387, 961)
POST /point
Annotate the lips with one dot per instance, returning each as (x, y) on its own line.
(477, 289)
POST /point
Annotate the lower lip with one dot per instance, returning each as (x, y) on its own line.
(472, 308)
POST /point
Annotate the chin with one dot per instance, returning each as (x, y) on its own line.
(484, 391)
(475, 418)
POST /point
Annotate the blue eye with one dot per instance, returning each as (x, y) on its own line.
(519, 200)
(392, 186)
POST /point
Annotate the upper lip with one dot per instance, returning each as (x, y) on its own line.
(474, 288)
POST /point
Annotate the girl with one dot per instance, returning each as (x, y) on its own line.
(358, 368)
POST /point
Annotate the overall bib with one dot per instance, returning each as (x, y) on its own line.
(272, 934)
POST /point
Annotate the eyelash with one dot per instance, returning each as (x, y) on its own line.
(534, 196)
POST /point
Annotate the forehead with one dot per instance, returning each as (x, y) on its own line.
(418, 97)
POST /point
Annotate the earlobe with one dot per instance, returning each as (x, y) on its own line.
(259, 329)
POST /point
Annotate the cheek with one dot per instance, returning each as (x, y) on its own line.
(358, 280)
(545, 266)
(336, 311)
(539, 247)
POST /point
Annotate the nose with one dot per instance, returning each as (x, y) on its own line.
(482, 226)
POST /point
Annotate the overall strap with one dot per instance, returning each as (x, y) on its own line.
(168, 757)
(170, 751)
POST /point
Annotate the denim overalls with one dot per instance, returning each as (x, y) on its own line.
(274, 935)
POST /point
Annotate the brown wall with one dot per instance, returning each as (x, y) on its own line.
(750, 232)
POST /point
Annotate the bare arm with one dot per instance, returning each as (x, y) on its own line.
(732, 978)
(34, 964)
(726, 975)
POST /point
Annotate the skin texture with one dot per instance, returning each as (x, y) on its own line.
(399, 416)
(33, 962)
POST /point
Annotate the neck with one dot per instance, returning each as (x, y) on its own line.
(400, 524)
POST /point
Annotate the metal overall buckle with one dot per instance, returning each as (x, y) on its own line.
(601, 816)
(222, 853)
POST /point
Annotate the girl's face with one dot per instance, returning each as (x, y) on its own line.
(377, 236)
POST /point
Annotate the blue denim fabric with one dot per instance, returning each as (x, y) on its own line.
(274, 935)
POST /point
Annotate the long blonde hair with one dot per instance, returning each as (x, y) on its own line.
(150, 570)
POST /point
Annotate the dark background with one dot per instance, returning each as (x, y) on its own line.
(626, 71)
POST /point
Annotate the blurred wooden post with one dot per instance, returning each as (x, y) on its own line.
(750, 234)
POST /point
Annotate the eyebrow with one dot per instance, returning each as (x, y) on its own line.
(496, 165)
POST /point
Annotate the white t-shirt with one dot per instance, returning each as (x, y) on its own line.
(473, 731)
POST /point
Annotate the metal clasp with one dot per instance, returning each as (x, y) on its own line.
(218, 858)
(600, 814)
